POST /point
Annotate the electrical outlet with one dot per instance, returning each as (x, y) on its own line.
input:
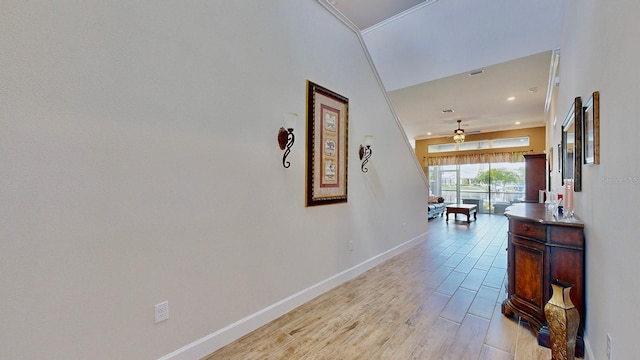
(162, 311)
(608, 346)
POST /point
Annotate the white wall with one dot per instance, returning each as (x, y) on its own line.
(139, 163)
(430, 32)
(600, 51)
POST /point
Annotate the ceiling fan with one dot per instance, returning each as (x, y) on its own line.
(461, 126)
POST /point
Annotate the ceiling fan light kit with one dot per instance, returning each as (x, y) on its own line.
(458, 134)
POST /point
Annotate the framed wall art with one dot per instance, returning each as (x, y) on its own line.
(327, 127)
(591, 123)
(572, 145)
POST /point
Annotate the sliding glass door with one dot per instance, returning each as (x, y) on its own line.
(490, 186)
(508, 186)
(443, 181)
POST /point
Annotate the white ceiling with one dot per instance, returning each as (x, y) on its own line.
(424, 51)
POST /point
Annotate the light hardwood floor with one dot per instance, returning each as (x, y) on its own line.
(438, 300)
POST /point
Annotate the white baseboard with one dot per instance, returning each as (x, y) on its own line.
(214, 341)
(588, 353)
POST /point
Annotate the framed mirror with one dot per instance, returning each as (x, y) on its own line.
(572, 145)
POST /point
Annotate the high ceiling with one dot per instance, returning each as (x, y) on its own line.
(425, 50)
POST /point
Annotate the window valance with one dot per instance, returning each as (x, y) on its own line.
(462, 159)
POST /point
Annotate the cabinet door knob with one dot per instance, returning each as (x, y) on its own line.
(526, 228)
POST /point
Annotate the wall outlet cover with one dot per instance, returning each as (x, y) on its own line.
(162, 311)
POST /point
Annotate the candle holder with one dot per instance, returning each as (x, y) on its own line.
(365, 152)
(551, 203)
(568, 198)
(286, 137)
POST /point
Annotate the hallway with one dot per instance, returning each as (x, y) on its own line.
(438, 300)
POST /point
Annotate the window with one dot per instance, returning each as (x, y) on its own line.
(442, 148)
(480, 145)
(491, 186)
(511, 142)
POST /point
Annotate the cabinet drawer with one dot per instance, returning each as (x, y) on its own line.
(562, 235)
(528, 229)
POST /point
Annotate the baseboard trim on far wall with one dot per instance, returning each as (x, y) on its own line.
(214, 341)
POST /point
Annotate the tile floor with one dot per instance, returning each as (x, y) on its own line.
(438, 300)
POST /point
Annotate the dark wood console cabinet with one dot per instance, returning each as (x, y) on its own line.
(540, 250)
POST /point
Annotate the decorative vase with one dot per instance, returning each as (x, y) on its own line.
(563, 320)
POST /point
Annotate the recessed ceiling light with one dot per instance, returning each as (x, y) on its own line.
(511, 98)
(517, 122)
(428, 133)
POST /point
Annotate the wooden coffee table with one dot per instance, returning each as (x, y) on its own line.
(466, 209)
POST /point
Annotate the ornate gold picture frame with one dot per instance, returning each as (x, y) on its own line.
(327, 128)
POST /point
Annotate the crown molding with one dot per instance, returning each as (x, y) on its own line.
(554, 80)
(399, 16)
(338, 14)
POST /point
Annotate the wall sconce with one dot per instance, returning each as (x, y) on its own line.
(286, 137)
(365, 152)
